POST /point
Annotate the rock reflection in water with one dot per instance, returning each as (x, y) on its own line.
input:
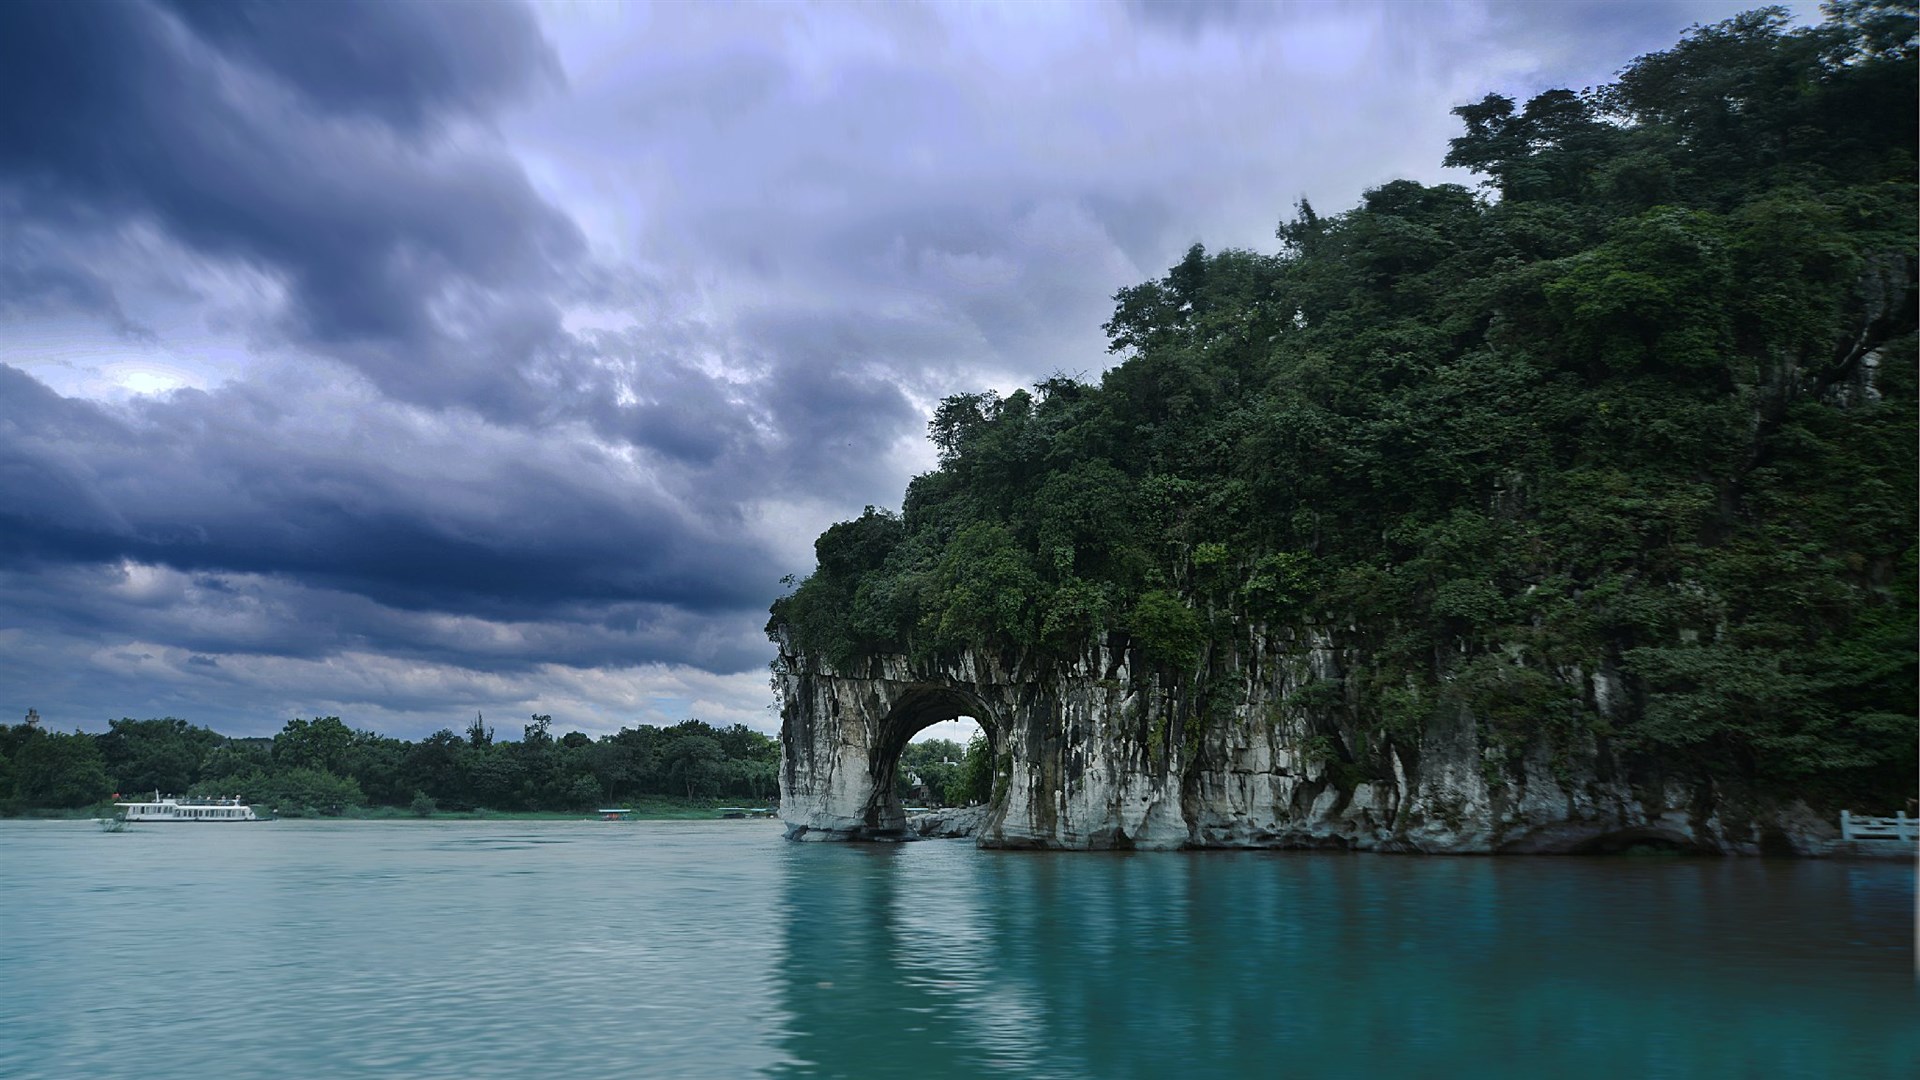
(937, 960)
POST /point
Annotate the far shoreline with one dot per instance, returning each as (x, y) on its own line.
(650, 810)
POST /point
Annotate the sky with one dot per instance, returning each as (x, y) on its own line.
(408, 361)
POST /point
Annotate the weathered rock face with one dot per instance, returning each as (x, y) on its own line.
(1098, 754)
(950, 824)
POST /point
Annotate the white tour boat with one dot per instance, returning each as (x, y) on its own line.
(172, 809)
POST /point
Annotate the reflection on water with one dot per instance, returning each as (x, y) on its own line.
(480, 949)
(941, 961)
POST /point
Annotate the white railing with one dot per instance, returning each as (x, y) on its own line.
(1897, 827)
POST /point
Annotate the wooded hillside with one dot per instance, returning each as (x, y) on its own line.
(1644, 404)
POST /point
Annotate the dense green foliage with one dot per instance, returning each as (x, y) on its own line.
(927, 769)
(322, 766)
(1645, 406)
(942, 773)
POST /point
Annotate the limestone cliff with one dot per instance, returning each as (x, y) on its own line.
(1100, 754)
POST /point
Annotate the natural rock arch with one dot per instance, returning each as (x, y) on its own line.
(841, 742)
(1070, 768)
(918, 708)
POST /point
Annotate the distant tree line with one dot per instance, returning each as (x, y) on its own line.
(322, 766)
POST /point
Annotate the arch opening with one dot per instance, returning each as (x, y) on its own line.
(935, 771)
(917, 710)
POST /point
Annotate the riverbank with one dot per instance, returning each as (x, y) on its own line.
(653, 808)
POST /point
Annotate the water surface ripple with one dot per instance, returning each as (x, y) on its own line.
(671, 949)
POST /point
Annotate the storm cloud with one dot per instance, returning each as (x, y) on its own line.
(399, 360)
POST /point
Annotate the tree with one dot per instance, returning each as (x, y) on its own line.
(59, 771)
(613, 763)
(539, 732)
(1167, 630)
(232, 757)
(494, 776)
(321, 743)
(432, 765)
(155, 755)
(583, 793)
(973, 782)
(695, 762)
(935, 762)
(760, 779)
(294, 792)
(378, 765)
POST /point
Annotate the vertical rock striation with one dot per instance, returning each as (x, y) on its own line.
(1098, 753)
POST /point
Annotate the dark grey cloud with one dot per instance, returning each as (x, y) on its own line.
(646, 389)
(241, 546)
(203, 482)
(838, 398)
(243, 653)
(410, 65)
(402, 250)
(243, 616)
(40, 273)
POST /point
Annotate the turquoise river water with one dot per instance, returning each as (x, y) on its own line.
(715, 949)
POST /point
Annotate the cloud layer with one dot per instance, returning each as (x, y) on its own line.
(400, 360)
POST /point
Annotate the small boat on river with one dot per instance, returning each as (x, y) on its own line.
(172, 809)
